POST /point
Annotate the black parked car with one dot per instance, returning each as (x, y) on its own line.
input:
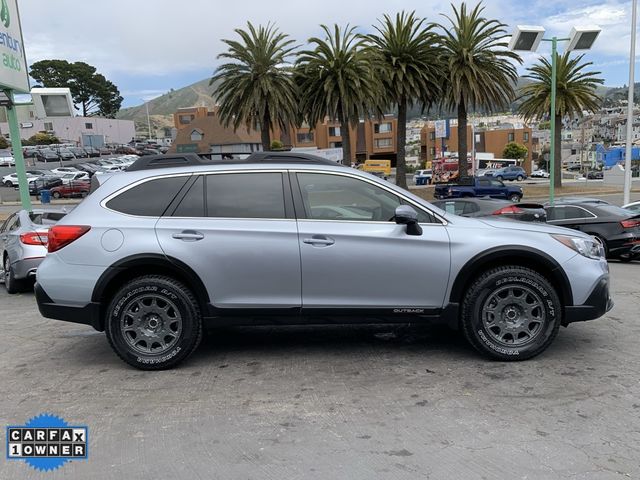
(92, 151)
(44, 182)
(486, 206)
(617, 228)
(47, 155)
(595, 175)
(78, 152)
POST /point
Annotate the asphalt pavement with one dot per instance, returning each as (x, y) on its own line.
(401, 402)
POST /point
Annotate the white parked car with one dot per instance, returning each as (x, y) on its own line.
(64, 170)
(633, 206)
(540, 173)
(6, 159)
(420, 175)
(11, 180)
(109, 169)
(68, 178)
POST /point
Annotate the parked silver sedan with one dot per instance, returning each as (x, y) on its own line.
(23, 245)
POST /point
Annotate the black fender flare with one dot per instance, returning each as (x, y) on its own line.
(513, 254)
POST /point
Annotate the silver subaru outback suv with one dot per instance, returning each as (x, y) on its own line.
(177, 243)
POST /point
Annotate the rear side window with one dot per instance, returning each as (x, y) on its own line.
(245, 195)
(149, 199)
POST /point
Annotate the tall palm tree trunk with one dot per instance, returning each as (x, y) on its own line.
(345, 132)
(557, 174)
(401, 164)
(265, 133)
(463, 165)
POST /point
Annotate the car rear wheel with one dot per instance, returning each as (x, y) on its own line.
(153, 323)
(500, 177)
(55, 194)
(11, 283)
(515, 198)
(8, 184)
(520, 178)
(511, 313)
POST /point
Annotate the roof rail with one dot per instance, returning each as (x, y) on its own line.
(193, 159)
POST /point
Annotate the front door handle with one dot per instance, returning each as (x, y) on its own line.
(319, 240)
(188, 236)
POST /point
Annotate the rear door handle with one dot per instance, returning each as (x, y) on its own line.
(319, 240)
(188, 236)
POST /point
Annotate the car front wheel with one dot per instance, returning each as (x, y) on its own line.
(515, 198)
(520, 178)
(511, 313)
(8, 184)
(153, 323)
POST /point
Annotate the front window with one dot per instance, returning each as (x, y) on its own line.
(383, 127)
(383, 142)
(336, 197)
(305, 137)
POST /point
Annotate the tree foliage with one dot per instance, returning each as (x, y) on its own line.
(42, 138)
(515, 150)
(478, 68)
(337, 80)
(575, 94)
(91, 90)
(256, 87)
(405, 53)
(3, 143)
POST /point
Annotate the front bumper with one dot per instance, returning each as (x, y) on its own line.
(88, 314)
(597, 304)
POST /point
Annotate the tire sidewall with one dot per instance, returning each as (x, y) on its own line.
(483, 340)
(191, 323)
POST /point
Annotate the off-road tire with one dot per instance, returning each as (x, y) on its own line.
(161, 288)
(485, 287)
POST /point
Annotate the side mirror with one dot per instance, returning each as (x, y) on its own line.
(405, 215)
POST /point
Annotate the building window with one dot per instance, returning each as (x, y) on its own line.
(383, 142)
(186, 119)
(48, 126)
(88, 126)
(432, 151)
(383, 127)
(334, 132)
(511, 137)
(305, 137)
(196, 136)
(432, 135)
(335, 144)
(31, 115)
(525, 136)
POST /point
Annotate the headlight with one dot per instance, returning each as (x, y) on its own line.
(587, 247)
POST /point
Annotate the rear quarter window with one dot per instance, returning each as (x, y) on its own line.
(148, 199)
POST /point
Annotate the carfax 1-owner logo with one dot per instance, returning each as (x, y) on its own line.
(47, 442)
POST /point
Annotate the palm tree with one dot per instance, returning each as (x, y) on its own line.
(257, 87)
(575, 93)
(405, 52)
(478, 68)
(336, 80)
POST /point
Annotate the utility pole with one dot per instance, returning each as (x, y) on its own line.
(632, 66)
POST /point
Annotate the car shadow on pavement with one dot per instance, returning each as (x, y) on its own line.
(333, 339)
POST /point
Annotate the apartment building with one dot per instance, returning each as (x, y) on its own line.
(487, 140)
(370, 139)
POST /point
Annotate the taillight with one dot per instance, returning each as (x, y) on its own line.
(631, 223)
(510, 210)
(62, 235)
(33, 238)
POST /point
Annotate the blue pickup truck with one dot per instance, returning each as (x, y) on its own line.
(478, 187)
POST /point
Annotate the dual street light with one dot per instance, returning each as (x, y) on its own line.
(527, 38)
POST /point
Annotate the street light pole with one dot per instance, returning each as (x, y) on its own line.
(552, 153)
(148, 120)
(632, 66)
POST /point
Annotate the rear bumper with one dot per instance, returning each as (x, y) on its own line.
(88, 314)
(26, 268)
(598, 303)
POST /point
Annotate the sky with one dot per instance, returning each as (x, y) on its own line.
(147, 47)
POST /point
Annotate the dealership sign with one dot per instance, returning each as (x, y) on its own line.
(13, 66)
